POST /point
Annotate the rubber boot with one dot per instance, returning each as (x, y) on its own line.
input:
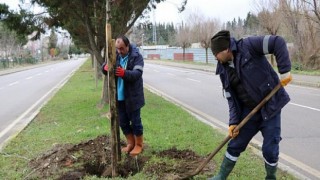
(271, 172)
(225, 169)
(130, 143)
(138, 146)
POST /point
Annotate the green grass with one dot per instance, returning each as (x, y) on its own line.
(306, 72)
(72, 116)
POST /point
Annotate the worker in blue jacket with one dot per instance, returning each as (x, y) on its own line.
(130, 95)
(247, 77)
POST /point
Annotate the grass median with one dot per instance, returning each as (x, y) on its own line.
(72, 116)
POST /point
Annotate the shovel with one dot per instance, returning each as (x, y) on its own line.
(226, 139)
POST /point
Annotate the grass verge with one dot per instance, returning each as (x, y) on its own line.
(72, 116)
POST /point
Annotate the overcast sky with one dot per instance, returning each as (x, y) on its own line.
(13, 4)
(224, 10)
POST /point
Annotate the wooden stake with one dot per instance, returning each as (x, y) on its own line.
(115, 135)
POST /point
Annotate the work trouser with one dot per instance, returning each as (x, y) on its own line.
(270, 129)
(130, 122)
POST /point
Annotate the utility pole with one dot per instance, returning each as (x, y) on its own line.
(154, 29)
(111, 60)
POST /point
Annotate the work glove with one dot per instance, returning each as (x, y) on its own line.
(233, 134)
(285, 78)
(104, 68)
(120, 71)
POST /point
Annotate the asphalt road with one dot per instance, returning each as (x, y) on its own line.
(23, 93)
(201, 93)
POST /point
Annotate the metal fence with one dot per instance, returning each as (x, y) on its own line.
(8, 63)
(191, 54)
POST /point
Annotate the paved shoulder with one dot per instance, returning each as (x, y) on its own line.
(31, 66)
(298, 79)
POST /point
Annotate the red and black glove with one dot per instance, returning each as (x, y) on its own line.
(104, 68)
(120, 71)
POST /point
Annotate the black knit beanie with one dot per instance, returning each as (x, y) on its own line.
(220, 41)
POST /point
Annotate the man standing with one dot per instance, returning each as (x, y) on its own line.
(247, 77)
(130, 96)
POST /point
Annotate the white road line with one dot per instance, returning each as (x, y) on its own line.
(29, 77)
(156, 70)
(171, 74)
(39, 74)
(47, 71)
(315, 109)
(193, 80)
(14, 83)
(184, 71)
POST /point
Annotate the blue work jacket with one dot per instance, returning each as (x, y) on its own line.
(256, 74)
(133, 82)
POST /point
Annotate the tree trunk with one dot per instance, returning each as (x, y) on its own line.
(92, 42)
(184, 53)
(92, 60)
(207, 61)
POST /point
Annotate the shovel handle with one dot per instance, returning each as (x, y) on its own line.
(258, 107)
(239, 126)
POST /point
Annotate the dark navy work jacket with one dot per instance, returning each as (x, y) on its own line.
(256, 74)
(133, 83)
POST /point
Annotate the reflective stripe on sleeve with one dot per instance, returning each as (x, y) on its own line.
(138, 67)
(265, 44)
(227, 94)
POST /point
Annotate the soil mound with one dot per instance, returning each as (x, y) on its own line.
(93, 157)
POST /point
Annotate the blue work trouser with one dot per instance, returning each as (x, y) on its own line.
(270, 129)
(130, 123)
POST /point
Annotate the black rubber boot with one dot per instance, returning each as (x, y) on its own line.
(271, 172)
(225, 169)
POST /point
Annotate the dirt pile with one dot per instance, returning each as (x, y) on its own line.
(93, 157)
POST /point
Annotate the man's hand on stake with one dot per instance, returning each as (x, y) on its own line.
(120, 71)
(106, 67)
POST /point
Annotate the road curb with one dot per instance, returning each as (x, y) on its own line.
(309, 84)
